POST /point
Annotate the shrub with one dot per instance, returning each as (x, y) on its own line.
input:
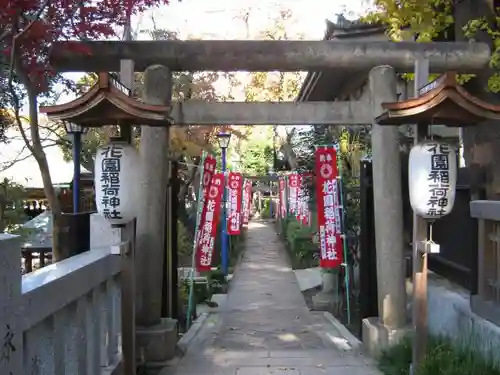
(265, 213)
(299, 239)
(184, 240)
(443, 358)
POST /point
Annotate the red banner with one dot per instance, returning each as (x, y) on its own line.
(208, 171)
(329, 226)
(293, 184)
(282, 192)
(235, 185)
(247, 194)
(300, 191)
(304, 216)
(208, 223)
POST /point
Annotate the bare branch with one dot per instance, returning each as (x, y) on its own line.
(52, 129)
(19, 124)
(35, 19)
(18, 158)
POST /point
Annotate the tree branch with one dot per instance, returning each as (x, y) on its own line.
(15, 65)
(18, 158)
(191, 174)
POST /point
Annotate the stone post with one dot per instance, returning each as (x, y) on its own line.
(329, 297)
(388, 210)
(11, 361)
(156, 337)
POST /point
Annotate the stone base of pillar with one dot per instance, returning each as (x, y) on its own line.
(326, 302)
(329, 299)
(156, 345)
(376, 336)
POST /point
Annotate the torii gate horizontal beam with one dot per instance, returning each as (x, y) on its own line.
(271, 113)
(268, 55)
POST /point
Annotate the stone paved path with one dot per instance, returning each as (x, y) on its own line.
(265, 326)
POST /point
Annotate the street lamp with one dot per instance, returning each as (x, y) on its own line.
(223, 139)
(76, 132)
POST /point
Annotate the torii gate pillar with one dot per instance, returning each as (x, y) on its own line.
(156, 337)
(387, 196)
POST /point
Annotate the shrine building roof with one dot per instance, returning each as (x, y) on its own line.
(442, 101)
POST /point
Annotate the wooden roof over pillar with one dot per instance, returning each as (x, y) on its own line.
(108, 102)
(442, 101)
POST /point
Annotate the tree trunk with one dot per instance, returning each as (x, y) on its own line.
(481, 142)
(192, 172)
(50, 193)
(290, 155)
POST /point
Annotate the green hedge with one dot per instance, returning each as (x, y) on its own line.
(299, 243)
(265, 213)
(443, 358)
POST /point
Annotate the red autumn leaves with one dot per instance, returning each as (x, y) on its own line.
(30, 27)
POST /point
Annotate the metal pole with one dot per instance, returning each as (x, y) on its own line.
(77, 146)
(201, 202)
(344, 234)
(224, 249)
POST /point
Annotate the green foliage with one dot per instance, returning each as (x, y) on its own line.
(6, 119)
(184, 292)
(443, 358)
(300, 245)
(429, 20)
(473, 28)
(265, 213)
(200, 292)
(256, 155)
(217, 282)
(11, 206)
(426, 19)
(184, 240)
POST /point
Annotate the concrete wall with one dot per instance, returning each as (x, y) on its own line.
(450, 315)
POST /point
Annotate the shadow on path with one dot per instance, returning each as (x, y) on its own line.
(265, 327)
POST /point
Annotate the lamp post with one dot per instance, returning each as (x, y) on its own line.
(76, 132)
(224, 139)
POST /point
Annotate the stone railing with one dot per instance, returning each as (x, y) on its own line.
(65, 318)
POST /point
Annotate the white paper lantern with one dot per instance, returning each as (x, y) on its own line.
(116, 182)
(432, 179)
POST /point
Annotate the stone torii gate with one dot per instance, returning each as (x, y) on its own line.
(386, 58)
